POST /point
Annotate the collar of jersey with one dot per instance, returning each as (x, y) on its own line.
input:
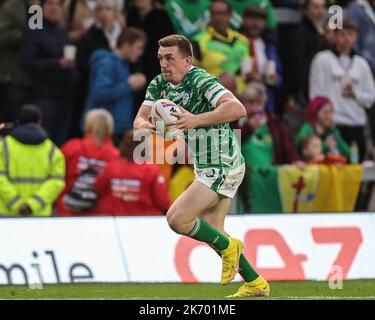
(229, 38)
(174, 86)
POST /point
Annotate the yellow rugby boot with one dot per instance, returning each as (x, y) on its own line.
(257, 288)
(231, 260)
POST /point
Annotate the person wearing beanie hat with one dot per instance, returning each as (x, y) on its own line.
(320, 123)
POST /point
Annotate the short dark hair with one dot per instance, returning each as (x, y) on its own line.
(43, 2)
(29, 114)
(347, 24)
(183, 44)
(222, 1)
(131, 35)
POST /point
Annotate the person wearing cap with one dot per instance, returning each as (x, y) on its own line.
(320, 123)
(266, 65)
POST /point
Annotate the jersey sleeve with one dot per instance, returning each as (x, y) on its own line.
(152, 93)
(211, 89)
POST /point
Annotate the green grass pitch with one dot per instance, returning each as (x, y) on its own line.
(353, 289)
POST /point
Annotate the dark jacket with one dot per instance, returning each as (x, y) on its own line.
(109, 88)
(283, 143)
(156, 24)
(41, 50)
(94, 39)
(13, 16)
(307, 43)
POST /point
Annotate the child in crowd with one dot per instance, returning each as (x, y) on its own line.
(312, 151)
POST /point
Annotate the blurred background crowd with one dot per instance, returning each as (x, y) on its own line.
(69, 93)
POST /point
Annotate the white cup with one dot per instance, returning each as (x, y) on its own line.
(270, 68)
(247, 66)
(345, 81)
(70, 52)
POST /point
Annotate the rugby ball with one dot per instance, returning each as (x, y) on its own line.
(161, 117)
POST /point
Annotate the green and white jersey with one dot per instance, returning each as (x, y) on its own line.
(199, 91)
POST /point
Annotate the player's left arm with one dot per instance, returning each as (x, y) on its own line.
(228, 109)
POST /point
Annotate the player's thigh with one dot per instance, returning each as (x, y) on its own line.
(195, 200)
(215, 216)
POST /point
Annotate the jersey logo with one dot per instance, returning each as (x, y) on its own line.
(210, 174)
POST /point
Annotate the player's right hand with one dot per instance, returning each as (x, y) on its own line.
(146, 125)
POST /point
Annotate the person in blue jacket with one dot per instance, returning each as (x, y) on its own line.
(111, 85)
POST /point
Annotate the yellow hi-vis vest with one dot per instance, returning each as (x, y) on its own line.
(31, 174)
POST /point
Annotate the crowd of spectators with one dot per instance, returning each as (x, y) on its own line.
(76, 84)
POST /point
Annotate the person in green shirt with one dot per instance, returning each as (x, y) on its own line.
(207, 106)
(219, 49)
(320, 122)
(266, 140)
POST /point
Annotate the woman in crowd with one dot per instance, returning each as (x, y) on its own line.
(320, 122)
(95, 149)
(266, 140)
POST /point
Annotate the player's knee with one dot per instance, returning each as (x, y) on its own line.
(175, 222)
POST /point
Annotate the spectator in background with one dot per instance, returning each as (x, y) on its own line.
(111, 85)
(219, 49)
(265, 63)
(156, 24)
(103, 34)
(345, 78)
(14, 81)
(312, 152)
(79, 16)
(288, 16)
(29, 190)
(239, 8)
(126, 188)
(308, 41)
(328, 34)
(94, 149)
(265, 138)
(362, 13)
(320, 123)
(54, 77)
(189, 17)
